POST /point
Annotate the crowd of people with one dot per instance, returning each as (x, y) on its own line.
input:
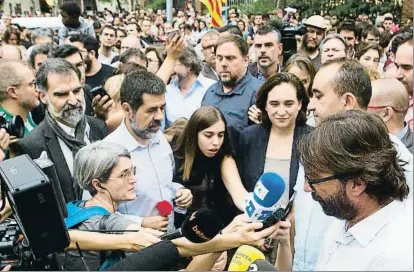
(137, 113)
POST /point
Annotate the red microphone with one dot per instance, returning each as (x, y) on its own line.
(164, 208)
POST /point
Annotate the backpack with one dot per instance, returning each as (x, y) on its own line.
(77, 215)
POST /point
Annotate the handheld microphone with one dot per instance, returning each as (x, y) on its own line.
(262, 202)
(261, 265)
(200, 227)
(243, 257)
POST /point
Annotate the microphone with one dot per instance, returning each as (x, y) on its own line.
(243, 257)
(200, 227)
(261, 265)
(262, 202)
(164, 208)
(162, 256)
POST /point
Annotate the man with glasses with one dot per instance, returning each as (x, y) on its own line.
(354, 173)
(312, 39)
(208, 43)
(18, 95)
(390, 101)
(65, 128)
(339, 85)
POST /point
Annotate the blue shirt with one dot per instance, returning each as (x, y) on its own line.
(179, 105)
(235, 104)
(155, 167)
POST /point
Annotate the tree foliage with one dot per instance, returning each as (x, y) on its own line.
(346, 8)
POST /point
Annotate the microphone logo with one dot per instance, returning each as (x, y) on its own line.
(260, 190)
(200, 234)
(193, 216)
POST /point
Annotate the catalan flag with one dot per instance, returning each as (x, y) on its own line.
(215, 7)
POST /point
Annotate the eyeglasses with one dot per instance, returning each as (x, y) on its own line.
(383, 107)
(31, 83)
(312, 181)
(127, 175)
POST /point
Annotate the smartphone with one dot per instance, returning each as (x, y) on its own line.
(171, 33)
(99, 90)
(279, 215)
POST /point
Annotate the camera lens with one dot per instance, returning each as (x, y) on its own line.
(14, 127)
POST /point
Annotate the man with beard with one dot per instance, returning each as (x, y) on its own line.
(312, 39)
(402, 47)
(236, 90)
(185, 94)
(18, 93)
(96, 72)
(70, 12)
(142, 97)
(268, 47)
(339, 85)
(108, 40)
(353, 171)
(65, 128)
(208, 43)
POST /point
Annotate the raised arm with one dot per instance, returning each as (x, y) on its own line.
(232, 181)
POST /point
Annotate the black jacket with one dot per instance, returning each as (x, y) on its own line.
(42, 138)
(251, 155)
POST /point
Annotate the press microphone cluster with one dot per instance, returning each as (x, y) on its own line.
(200, 227)
(248, 258)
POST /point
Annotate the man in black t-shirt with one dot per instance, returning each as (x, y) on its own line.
(96, 72)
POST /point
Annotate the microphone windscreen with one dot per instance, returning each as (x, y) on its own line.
(276, 23)
(244, 256)
(269, 189)
(261, 265)
(162, 256)
(201, 226)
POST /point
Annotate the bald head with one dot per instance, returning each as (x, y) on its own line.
(11, 52)
(130, 42)
(389, 92)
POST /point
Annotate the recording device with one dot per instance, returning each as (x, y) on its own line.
(266, 194)
(200, 227)
(14, 127)
(261, 265)
(171, 33)
(289, 34)
(243, 257)
(280, 214)
(38, 211)
(99, 90)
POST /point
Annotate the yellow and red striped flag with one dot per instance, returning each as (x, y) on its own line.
(215, 7)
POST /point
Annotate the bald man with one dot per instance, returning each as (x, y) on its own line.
(390, 101)
(11, 52)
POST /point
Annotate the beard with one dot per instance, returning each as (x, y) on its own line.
(118, 45)
(180, 78)
(145, 133)
(229, 81)
(88, 63)
(309, 48)
(69, 114)
(338, 205)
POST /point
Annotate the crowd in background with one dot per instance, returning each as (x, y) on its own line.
(190, 114)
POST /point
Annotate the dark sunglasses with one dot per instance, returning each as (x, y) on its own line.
(312, 181)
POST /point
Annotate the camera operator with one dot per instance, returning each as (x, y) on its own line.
(18, 94)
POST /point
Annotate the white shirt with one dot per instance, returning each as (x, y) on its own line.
(381, 242)
(67, 153)
(104, 60)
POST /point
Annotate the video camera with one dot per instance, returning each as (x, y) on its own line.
(30, 240)
(14, 127)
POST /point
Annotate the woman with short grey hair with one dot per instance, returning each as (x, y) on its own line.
(332, 47)
(105, 170)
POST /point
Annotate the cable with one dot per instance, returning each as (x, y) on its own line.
(81, 257)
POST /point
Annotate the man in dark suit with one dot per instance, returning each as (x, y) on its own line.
(65, 128)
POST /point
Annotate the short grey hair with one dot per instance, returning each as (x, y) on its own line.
(53, 66)
(334, 37)
(211, 33)
(132, 52)
(190, 60)
(10, 74)
(96, 161)
(42, 32)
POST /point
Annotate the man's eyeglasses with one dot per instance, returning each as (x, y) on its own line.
(383, 107)
(312, 181)
(31, 83)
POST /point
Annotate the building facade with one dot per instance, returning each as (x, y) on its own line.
(19, 7)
